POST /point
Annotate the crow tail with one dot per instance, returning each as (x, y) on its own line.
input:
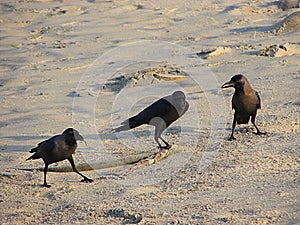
(34, 156)
(33, 150)
(128, 124)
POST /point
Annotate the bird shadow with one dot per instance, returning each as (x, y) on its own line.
(20, 148)
(242, 130)
(228, 9)
(125, 216)
(262, 29)
(25, 138)
(109, 135)
(233, 7)
(15, 148)
(273, 3)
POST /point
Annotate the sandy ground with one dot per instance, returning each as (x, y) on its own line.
(47, 51)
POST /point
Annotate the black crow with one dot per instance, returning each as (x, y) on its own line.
(58, 148)
(160, 114)
(245, 102)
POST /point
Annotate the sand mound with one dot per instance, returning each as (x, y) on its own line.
(145, 77)
(290, 24)
(278, 50)
(289, 4)
(214, 52)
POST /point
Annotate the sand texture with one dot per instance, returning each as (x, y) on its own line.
(90, 64)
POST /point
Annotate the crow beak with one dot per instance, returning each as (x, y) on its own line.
(80, 138)
(228, 84)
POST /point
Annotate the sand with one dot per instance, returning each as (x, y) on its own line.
(91, 64)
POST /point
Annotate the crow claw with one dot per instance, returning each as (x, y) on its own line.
(87, 180)
(231, 138)
(167, 147)
(260, 133)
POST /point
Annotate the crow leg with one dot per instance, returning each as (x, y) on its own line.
(45, 176)
(85, 179)
(233, 127)
(168, 146)
(159, 128)
(156, 140)
(159, 145)
(258, 132)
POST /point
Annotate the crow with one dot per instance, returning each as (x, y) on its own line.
(245, 102)
(160, 114)
(58, 148)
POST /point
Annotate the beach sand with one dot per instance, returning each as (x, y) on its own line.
(56, 63)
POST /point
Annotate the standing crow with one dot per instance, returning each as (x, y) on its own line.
(245, 102)
(58, 148)
(160, 114)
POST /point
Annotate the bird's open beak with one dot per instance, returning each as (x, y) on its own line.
(227, 85)
(80, 138)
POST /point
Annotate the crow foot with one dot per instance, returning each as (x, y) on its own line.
(165, 147)
(260, 133)
(231, 138)
(87, 180)
(46, 185)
